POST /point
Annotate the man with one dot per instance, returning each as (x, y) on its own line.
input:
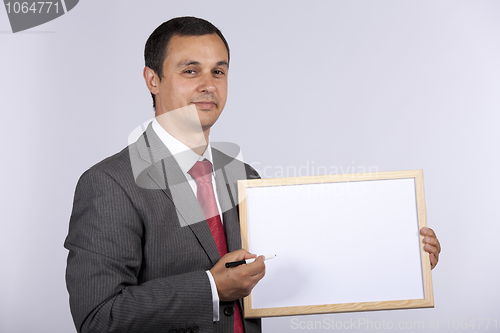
(142, 255)
(150, 232)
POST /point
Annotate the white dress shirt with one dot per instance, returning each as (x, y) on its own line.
(186, 158)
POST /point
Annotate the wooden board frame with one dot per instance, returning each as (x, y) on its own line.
(426, 302)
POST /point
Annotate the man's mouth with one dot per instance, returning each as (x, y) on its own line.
(205, 105)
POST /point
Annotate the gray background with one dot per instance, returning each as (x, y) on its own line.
(315, 87)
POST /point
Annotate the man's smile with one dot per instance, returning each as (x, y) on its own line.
(205, 105)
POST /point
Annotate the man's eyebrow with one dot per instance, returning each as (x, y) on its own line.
(197, 63)
(188, 63)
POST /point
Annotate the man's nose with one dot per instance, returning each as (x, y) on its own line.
(207, 84)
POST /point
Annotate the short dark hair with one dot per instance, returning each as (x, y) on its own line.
(155, 50)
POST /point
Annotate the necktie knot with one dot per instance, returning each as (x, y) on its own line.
(202, 171)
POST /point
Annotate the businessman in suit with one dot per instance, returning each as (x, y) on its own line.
(143, 255)
(150, 233)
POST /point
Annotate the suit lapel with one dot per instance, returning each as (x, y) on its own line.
(188, 209)
(227, 198)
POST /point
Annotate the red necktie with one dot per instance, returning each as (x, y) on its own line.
(202, 173)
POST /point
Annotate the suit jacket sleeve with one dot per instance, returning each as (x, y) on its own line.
(105, 261)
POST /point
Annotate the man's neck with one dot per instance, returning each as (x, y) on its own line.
(196, 141)
(192, 135)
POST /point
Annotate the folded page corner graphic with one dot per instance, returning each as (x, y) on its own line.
(70, 4)
(25, 15)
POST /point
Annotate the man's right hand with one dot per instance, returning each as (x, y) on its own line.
(237, 282)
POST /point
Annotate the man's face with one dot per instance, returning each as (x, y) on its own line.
(194, 73)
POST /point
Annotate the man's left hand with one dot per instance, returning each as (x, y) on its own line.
(431, 245)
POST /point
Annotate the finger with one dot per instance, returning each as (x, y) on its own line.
(259, 276)
(236, 255)
(258, 262)
(425, 231)
(433, 260)
(431, 235)
(249, 255)
(431, 249)
(257, 267)
(434, 242)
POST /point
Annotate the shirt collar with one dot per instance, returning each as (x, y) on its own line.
(183, 155)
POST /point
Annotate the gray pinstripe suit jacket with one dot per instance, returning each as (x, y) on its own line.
(139, 246)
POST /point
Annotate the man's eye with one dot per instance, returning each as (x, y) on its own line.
(218, 72)
(189, 71)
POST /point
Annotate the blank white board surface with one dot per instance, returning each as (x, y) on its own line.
(339, 242)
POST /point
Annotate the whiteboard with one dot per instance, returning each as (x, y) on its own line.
(342, 243)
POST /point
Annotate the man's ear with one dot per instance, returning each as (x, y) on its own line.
(152, 80)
